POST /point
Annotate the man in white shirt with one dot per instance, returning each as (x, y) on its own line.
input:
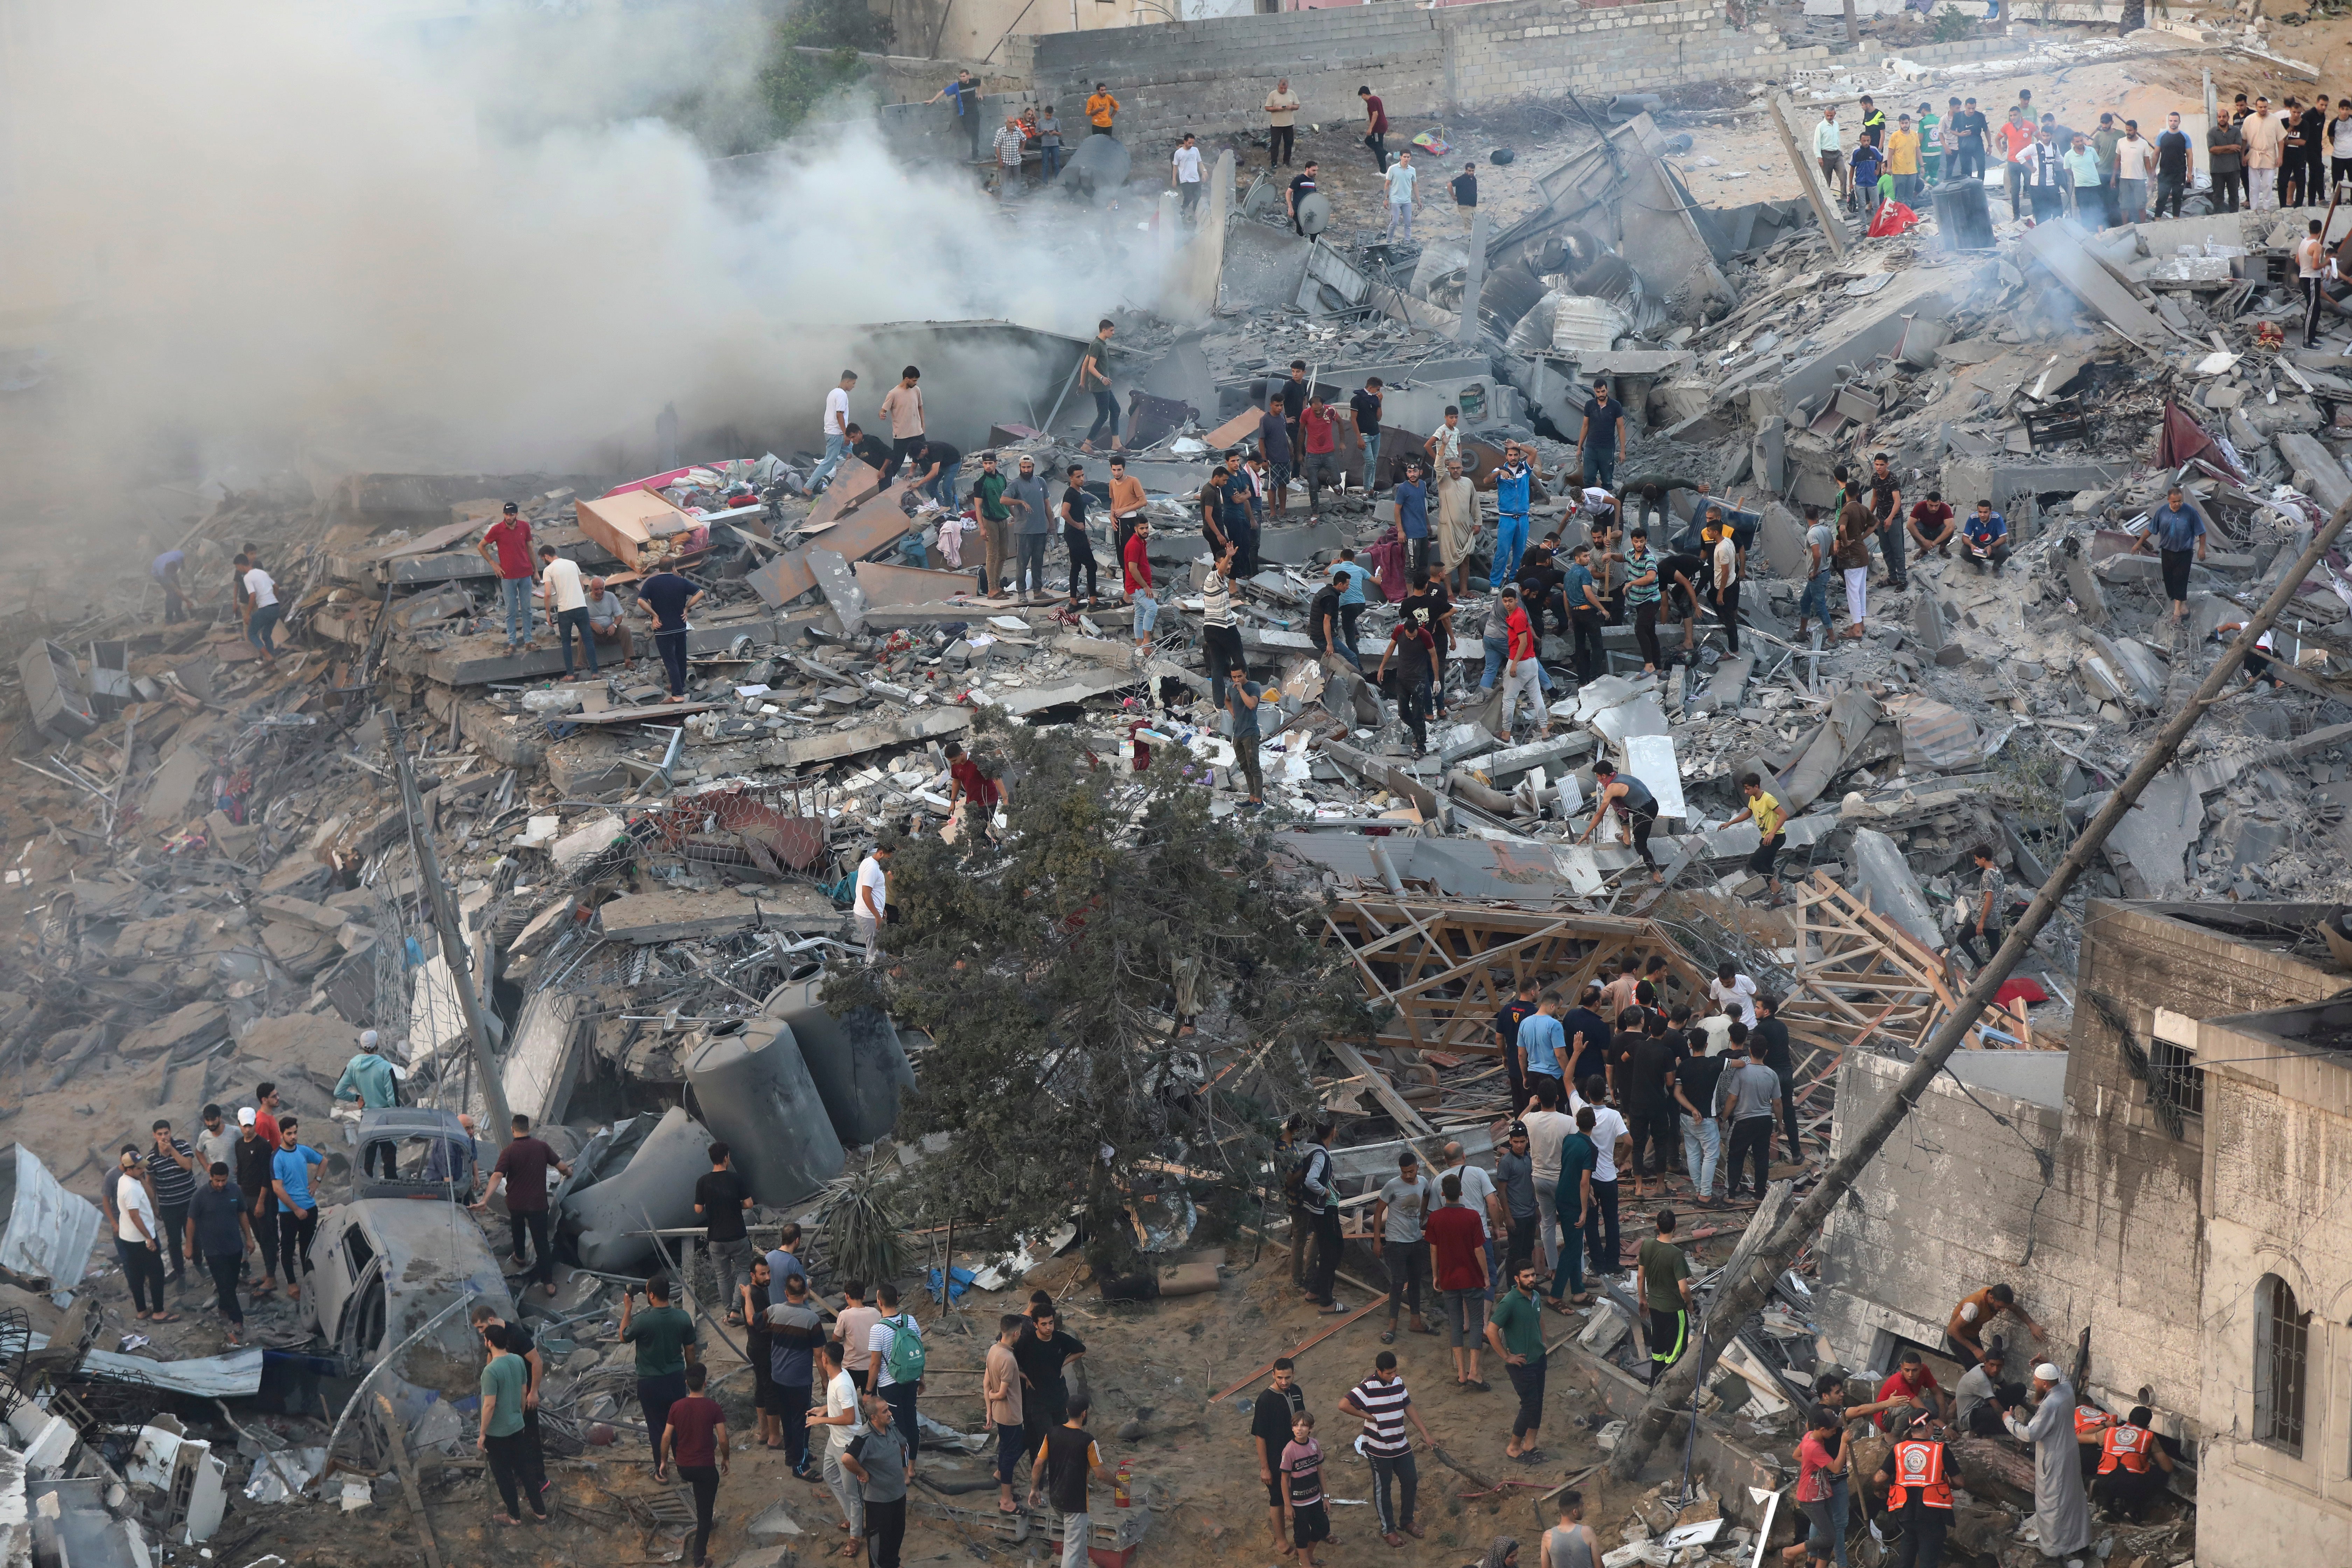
(1185, 174)
(1608, 1134)
(1736, 990)
(872, 904)
(1400, 178)
(837, 431)
(564, 597)
(1829, 149)
(2134, 161)
(261, 591)
(1548, 1128)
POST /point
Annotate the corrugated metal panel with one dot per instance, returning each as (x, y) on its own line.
(50, 1231)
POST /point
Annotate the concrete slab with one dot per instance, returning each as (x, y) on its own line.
(1895, 892)
(1651, 758)
(2149, 846)
(648, 917)
(806, 750)
(881, 584)
(2061, 248)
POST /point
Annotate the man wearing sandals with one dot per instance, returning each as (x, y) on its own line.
(1515, 1331)
(1397, 1216)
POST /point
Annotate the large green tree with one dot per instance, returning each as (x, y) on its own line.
(1049, 973)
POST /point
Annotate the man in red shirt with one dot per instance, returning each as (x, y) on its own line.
(1376, 127)
(976, 790)
(1912, 1380)
(1931, 526)
(1522, 676)
(1319, 427)
(506, 544)
(1457, 1251)
(1135, 568)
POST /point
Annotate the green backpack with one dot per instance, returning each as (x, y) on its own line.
(904, 1360)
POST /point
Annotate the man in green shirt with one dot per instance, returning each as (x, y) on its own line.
(1666, 1292)
(368, 1078)
(1515, 1330)
(993, 515)
(666, 1340)
(501, 1438)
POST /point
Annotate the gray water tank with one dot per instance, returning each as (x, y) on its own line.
(653, 1192)
(859, 1065)
(758, 1097)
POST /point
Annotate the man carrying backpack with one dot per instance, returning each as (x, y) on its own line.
(1322, 1203)
(894, 1372)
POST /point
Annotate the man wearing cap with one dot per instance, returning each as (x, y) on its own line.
(2062, 1513)
(506, 544)
(368, 1078)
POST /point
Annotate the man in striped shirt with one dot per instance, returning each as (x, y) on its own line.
(1383, 1405)
(172, 1170)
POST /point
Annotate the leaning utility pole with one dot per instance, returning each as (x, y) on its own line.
(1740, 1296)
(453, 951)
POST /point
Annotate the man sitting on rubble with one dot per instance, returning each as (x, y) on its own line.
(1978, 1395)
(604, 622)
(1964, 1334)
(1988, 541)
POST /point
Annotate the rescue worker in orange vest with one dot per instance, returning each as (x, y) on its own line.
(1965, 1332)
(1918, 1475)
(2091, 1424)
(2132, 1467)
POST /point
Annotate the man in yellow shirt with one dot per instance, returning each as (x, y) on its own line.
(1101, 108)
(1771, 825)
(1903, 160)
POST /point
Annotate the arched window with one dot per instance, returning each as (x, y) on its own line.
(2281, 1336)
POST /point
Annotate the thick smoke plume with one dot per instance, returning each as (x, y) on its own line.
(271, 233)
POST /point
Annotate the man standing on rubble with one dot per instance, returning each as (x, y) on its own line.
(1301, 186)
(368, 1078)
(836, 432)
(2061, 1514)
(2265, 149)
(1135, 576)
(1243, 698)
(506, 545)
(1412, 502)
(172, 1176)
(2016, 137)
(1982, 923)
(667, 1344)
(1513, 482)
(794, 1332)
(1278, 1405)
(2171, 165)
(1457, 1245)
(1748, 1095)
(1852, 557)
(1599, 435)
(1282, 127)
(902, 406)
(1414, 648)
(1887, 519)
(2175, 531)
(1666, 1294)
(667, 596)
(1400, 177)
(128, 1201)
(1969, 143)
(254, 1154)
(221, 1233)
(523, 1165)
(1457, 526)
(1829, 151)
(166, 570)
(1398, 1214)
(2314, 269)
(1033, 530)
(1376, 127)
(881, 1458)
(1093, 368)
(994, 516)
(1319, 430)
(721, 1197)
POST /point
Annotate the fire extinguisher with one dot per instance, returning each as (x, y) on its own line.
(1119, 1486)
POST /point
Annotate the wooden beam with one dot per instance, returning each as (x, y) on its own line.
(1384, 1092)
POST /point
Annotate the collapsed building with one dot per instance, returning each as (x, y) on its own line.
(231, 876)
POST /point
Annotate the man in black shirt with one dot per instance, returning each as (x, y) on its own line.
(1587, 1033)
(1075, 501)
(1302, 185)
(1324, 623)
(869, 449)
(1278, 1403)
(1432, 607)
(1649, 1098)
(1042, 1354)
(1294, 404)
(1541, 580)
(1775, 1035)
(1411, 646)
(666, 598)
(720, 1196)
(1366, 406)
(1886, 518)
(1696, 1077)
(1466, 194)
(936, 469)
(2172, 164)
(1506, 1034)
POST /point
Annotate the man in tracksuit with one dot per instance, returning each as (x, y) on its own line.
(1512, 483)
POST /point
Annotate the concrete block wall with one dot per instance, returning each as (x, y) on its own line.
(1213, 76)
(2118, 1241)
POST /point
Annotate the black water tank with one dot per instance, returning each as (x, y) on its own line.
(1963, 216)
(856, 1061)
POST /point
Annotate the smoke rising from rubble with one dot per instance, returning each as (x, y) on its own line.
(288, 229)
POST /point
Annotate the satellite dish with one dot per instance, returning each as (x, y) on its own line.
(1314, 213)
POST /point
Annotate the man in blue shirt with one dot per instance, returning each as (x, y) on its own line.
(1543, 1047)
(964, 93)
(1598, 437)
(2176, 530)
(1585, 613)
(1988, 539)
(297, 1210)
(1412, 496)
(1352, 597)
(1512, 483)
